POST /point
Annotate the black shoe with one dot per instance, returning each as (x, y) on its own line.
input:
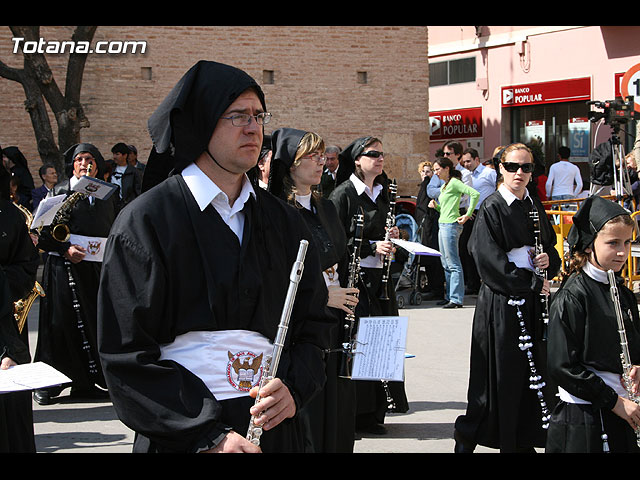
(42, 397)
(452, 305)
(462, 445)
(442, 302)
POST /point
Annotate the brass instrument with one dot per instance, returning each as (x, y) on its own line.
(541, 272)
(60, 229)
(348, 344)
(391, 221)
(270, 365)
(625, 357)
(21, 307)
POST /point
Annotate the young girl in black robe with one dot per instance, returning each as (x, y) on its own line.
(296, 167)
(594, 413)
(503, 412)
(362, 183)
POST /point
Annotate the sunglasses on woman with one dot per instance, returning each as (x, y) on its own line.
(373, 153)
(513, 167)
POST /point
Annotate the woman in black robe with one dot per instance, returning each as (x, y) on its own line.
(67, 338)
(20, 170)
(363, 184)
(296, 167)
(18, 267)
(584, 342)
(503, 411)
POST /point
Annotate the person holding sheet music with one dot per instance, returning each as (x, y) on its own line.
(363, 183)
(71, 275)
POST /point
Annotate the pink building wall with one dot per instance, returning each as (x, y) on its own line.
(518, 55)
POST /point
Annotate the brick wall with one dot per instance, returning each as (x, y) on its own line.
(315, 84)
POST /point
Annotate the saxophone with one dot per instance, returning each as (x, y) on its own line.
(625, 357)
(60, 229)
(270, 365)
(348, 345)
(541, 272)
(21, 307)
(391, 221)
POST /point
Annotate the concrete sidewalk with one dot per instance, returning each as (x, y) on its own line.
(436, 385)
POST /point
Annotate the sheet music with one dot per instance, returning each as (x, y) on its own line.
(30, 376)
(46, 211)
(415, 247)
(95, 187)
(380, 348)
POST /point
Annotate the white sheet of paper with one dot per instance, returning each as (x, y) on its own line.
(47, 210)
(415, 247)
(30, 376)
(95, 187)
(380, 349)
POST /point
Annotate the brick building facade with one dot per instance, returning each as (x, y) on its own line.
(339, 81)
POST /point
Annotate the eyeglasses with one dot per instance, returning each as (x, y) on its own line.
(513, 167)
(373, 153)
(244, 119)
(316, 157)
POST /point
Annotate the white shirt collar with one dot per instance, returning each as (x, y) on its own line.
(205, 191)
(362, 187)
(595, 273)
(510, 197)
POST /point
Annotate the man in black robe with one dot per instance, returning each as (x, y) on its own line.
(198, 265)
(71, 275)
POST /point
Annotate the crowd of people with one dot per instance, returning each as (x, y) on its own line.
(166, 297)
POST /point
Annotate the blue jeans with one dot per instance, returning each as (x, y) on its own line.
(448, 236)
(564, 206)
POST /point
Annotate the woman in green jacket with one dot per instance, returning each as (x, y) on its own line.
(450, 227)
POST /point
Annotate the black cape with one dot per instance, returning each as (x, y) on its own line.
(170, 269)
(502, 412)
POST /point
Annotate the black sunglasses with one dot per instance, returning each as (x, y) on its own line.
(513, 167)
(373, 153)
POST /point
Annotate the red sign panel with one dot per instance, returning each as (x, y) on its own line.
(574, 90)
(461, 123)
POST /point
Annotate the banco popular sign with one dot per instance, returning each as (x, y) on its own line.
(461, 123)
(573, 90)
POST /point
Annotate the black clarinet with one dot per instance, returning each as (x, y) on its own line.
(391, 221)
(348, 344)
(541, 272)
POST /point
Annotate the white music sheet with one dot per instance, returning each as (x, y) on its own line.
(381, 343)
(30, 376)
(415, 247)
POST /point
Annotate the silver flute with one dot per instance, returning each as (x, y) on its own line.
(270, 364)
(625, 357)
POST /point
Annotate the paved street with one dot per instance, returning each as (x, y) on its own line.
(436, 382)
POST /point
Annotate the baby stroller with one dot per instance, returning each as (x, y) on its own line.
(405, 267)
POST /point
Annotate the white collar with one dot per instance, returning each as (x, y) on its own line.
(595, 273)
(205, 191)
(362, 187)
(509, 197)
